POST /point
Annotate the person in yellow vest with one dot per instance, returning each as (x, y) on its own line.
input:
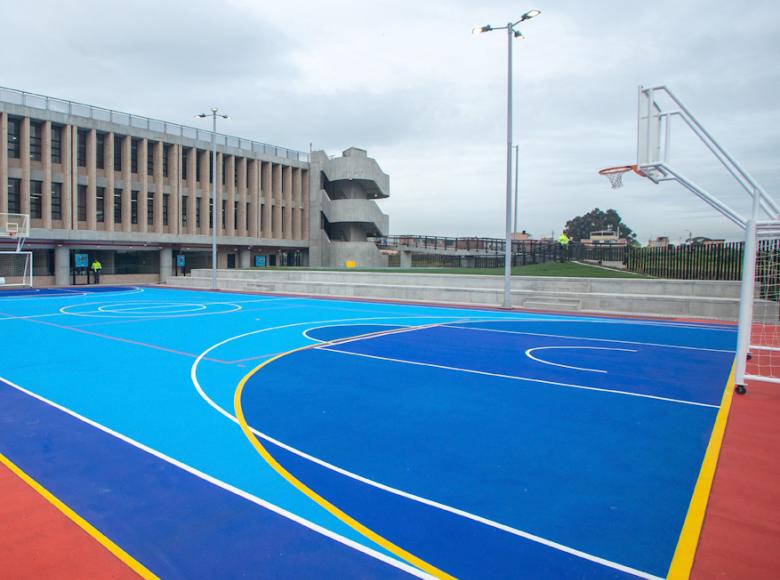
(96, 267)
(563, 242)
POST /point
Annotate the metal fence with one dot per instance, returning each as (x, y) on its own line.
(688, 262)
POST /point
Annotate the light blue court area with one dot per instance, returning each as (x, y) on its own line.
(474, 443)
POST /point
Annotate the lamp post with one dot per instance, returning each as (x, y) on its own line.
(214, 114)
(517, 172)
(510, 34)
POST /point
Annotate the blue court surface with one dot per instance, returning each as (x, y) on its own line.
(237, 435)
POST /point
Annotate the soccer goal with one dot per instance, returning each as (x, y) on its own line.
(16, 266)
(758, 342)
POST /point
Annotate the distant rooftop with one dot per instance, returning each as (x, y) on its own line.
(17, 97)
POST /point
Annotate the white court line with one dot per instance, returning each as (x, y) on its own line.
(475, 328)
(518, 378)
(426, 501)
(227, 487)
(97, 313)
(546, 362)
(23, 317)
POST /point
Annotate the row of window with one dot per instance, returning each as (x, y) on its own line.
(36, 205)
(36, 150)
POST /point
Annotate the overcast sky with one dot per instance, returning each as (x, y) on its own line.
(408, 82)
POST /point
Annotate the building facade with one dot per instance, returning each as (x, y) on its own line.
(135, 193)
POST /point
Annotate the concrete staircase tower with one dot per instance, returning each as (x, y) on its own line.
(343, 210)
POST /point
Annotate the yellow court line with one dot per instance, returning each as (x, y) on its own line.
(682, 562)
(307, 491)
(131, 562)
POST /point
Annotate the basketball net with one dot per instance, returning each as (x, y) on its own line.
(615, 174)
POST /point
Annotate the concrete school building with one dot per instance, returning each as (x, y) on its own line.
(135, 193)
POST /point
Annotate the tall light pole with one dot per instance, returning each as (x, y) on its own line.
(214, 114)
(511, 33)
(517, 172)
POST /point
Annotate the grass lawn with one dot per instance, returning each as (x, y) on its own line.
(570, 269)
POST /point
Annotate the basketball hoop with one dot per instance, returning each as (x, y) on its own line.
(615, 174)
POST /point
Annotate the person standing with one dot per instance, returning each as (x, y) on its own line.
(96, 267)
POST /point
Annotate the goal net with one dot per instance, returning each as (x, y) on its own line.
(762, 359)
(16, 269)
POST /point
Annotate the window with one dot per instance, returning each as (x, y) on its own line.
(36, 140)
(81, 152)
(197, 215)
(150, 146)
(134, 156)
(197, 165)
(81, 203)
(166, 153)
(166, 199)
(100, 204)
(150, 210)
(100, 150)
(184, 210)
(235, 214)
(224, 168)
(134, 207)
(246, 217)
(56, 201)
(118, 140)
(56, 144)
(14, 132)
(36, 199)
(184, 164)
(224, 210)
(262, 213)
(117, 206)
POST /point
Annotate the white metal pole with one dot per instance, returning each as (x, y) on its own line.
(508, 241)
(746, 295)
(214, 199)
(517, 172)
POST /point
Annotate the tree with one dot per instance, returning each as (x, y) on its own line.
(580, 227)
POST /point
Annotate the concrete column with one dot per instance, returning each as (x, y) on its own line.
(127, 189)
(241, 226)
(296, 204)
(108, 200)
(230, 195)
(220, 194)
(174, 179)
(205, 192)
(267, 199)
(3, 162)
(143, 177)
(244, 258)
(67, 177)
(46, 187)
(277, 195)
(287, 232)
(61, 266)
(92, 180)
(305, 208)
(166, 264)
(74, 188)
(406, 259)
(192, 189)
(254, 197)
(25, 159)
(157, 173)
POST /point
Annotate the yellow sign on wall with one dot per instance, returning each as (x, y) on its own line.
(350, 263)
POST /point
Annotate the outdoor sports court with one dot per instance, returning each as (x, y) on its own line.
(225, 434)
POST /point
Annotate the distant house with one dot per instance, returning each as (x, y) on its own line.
(605, 237)
(659, 242)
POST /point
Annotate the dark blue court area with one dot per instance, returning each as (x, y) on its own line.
(476, 444)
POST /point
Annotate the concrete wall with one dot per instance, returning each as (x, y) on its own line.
(670, 298)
